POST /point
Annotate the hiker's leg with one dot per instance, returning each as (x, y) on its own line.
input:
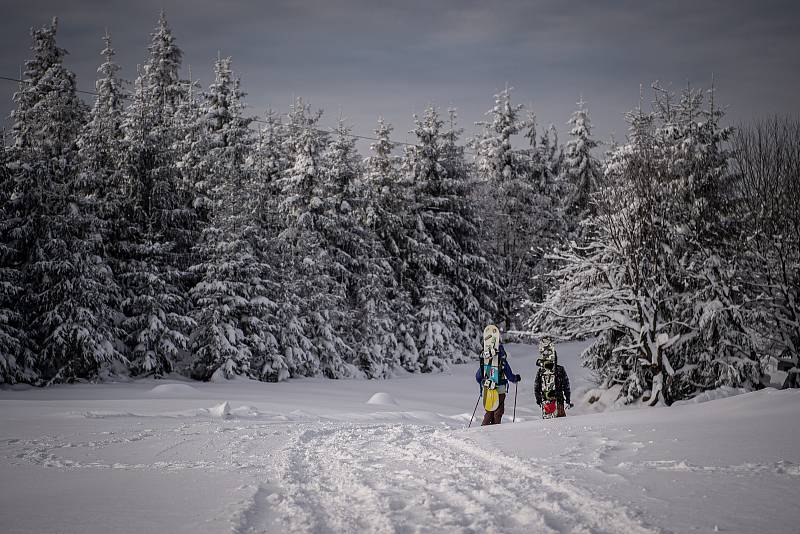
(488, 418)
(498, 413)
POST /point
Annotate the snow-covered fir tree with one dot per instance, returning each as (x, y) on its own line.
(229, 301)
(548, 160)
(165, 91)
(581, 168)
(269, 162)
(69, 287)
(191, 145)
(346, 239)
(551, 227)
(384, 214)
(155, 256)
(718, 350)
(436, 321)
(435, 255)
(100, 140)
(16, 358)
(498, 160)
(359, 259)
(161, 73)
(317, 286)
(471, 274)
(652, 284)
(101, 182)
(521, 215)
(151, 141)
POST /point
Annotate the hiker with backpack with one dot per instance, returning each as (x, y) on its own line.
(551, 386)
(493, 375)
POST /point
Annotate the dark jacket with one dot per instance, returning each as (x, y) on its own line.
(562, 385)
(505, 377)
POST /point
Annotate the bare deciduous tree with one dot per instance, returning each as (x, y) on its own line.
(766, 163)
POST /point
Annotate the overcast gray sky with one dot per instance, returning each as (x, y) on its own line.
(392, 58)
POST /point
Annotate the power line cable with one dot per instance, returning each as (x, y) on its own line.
(6, 78)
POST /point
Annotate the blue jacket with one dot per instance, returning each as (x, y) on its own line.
(505, 377)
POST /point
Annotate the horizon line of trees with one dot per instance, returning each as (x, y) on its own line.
(157, 232)
(160, 233)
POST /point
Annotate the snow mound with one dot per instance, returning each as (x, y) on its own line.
(383, 399)
(246, 411)
(714, 394)
(173, 389)
(222, 411)
(601, 398)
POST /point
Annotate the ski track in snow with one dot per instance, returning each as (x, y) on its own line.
(396, 476)
(332, 476)
(401, 478)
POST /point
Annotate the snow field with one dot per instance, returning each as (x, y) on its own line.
(317, 456)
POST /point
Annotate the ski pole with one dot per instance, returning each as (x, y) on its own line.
(514, 417)
(475, 410)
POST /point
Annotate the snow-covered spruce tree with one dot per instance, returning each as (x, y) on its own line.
(498, 160)
(384, 214)
(269, 162)
(766, 160)
(100, 141)
(229, 302)
(293, 352)
(358, 259)
(100, 161)
(437, 323)
(720, 351)
(607, 287)
(165, 91)
(191, 145)
(548, 160)
(161, 73)
(581, 169)
(16, 359)
(517, 207)
(316, 284)
(68, 284)
(471, 275)
(434, 254)
(551, 227)
(653, 281)
(155, 252)
(347, 242)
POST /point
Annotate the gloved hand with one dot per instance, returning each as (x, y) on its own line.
(570, 405)
(519, 378)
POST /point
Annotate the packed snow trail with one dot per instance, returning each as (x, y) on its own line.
(324, 456)
(332, 476)
(406, 478)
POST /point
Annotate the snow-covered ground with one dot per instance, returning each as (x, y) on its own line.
(389, 456)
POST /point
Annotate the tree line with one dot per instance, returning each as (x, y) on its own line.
(158, 231)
